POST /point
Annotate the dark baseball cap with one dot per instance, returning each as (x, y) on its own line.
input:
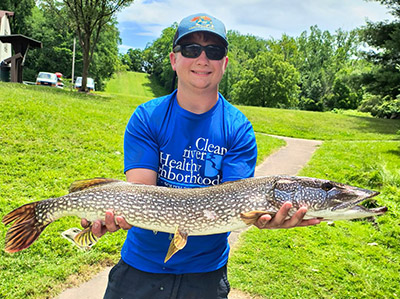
(201, 22)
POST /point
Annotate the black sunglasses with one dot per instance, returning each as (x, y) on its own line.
(213, 52)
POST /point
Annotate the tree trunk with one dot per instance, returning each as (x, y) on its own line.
(86, 63)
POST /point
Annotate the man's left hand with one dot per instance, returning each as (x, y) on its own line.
(281, 220)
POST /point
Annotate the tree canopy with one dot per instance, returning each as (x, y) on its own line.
(20, 22)
(382, 81)
(317, 70)
(87, 20)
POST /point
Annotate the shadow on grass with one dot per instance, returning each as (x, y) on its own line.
(156, 87)
(378, 125)
(71, 93)
(394, 152)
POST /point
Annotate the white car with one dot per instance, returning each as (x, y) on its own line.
(48, 79)
(89, 83)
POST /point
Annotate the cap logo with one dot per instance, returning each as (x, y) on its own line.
(202, 22)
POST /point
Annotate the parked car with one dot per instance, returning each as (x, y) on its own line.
(89, 83)
(48, 79)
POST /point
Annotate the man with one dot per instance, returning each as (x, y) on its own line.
(190, 138)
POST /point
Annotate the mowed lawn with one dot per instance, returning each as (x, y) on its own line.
(49, 138)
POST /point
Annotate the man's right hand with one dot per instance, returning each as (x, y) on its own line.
(110, 224)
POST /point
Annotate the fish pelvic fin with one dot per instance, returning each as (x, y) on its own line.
(85, 238)
(25, 229)
(177, 243)
(90, 183)
(251, 217)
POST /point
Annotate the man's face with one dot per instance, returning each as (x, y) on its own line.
(201, 72)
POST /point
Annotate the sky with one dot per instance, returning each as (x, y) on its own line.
(142, 22)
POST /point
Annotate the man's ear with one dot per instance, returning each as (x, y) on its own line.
(172, 59)
(226, 63)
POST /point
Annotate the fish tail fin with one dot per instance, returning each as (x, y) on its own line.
(25, 229)
(21, 214)
(90, 183)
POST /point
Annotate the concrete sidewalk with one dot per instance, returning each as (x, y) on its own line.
(287, 161)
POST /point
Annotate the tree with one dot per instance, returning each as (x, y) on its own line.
(87, 19)
(383, 80)
(288, 47)
(268, 82)
(56, 54)
(241, 49)
(156, 57)
(105, 57)
(323, 55)
(383, 39)
(134, 60)
(20, 22)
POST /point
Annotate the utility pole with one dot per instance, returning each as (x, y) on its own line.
(73, 64)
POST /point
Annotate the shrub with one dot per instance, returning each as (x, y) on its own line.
(383, 107)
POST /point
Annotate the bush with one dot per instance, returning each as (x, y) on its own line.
(383, 107)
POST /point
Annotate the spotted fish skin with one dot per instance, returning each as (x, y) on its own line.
(185, 212)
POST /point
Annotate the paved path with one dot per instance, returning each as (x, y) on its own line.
(287, 161)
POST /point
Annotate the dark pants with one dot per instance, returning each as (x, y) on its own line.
(129, 283)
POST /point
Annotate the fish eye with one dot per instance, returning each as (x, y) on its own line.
(326, 186)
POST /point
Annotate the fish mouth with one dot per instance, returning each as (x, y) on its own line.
(362, 195)
(378, 210)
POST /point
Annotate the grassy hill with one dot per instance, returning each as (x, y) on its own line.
(137, 84)
(51, 137)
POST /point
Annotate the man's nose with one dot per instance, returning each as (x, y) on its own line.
(203, 57)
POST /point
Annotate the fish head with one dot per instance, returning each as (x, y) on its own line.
(326, 199)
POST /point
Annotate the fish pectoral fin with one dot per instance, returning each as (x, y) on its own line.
(177, 243)
(85, 239)
(251, 217)
(90, 183)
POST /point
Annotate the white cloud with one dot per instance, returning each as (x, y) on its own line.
(123, 48)
(264, 18)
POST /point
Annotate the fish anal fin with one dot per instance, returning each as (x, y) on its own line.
(85, 239)
(90, 183)
(251, 217)
(177, 243)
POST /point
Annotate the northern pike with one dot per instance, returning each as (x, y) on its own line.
(186, 212)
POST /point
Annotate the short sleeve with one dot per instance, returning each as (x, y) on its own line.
(140, 144)
(240, 160)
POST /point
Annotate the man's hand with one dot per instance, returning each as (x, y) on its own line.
(280, 221)
(110, 224)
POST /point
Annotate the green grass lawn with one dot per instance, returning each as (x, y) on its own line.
(352, 259)
(48, 139)
(51, 137)
(322, 126)
(131, 83)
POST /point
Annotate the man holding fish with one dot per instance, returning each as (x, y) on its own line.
(191, 138)
(177, 240)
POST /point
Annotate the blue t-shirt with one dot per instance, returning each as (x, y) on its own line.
(187, 150)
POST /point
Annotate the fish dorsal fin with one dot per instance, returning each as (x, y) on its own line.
(90, 183)
(177, 243)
